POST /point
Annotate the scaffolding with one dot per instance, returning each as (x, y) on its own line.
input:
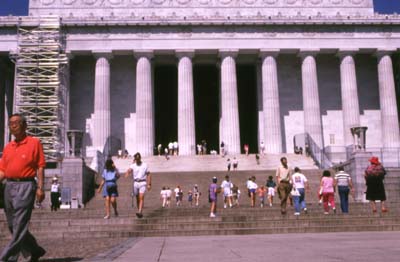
(40, 82)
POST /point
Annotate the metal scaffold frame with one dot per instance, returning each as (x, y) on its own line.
(40, 82)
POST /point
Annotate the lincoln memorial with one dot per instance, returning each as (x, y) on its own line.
(133, 74)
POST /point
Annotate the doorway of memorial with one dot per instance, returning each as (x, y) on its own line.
(206, 100)
(165, 105)
(247, 98)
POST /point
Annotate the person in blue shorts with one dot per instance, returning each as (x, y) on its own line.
(109, 187)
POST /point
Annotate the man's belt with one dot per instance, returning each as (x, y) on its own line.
(284, 181)
(139, 180)
(22, 179)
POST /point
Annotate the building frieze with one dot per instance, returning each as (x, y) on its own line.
(83, 8)
(201, 3)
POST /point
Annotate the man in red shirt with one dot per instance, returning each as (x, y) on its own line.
(22, 165)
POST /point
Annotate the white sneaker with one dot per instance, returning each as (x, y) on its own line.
(225, 206)
(270, 205)
(297, 214)
(212, 215)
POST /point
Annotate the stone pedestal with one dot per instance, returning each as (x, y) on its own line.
(359, 136)
(359, 162)
(72, 176)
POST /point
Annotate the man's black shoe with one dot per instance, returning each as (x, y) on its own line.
(35, 257)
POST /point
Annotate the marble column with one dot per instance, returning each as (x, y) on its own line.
(66, 105)
(186, 118)
(350, 105)
(312, 115)
(229, 103)
(272, 119)
(387, 99)
(102, 113)
(144, 103)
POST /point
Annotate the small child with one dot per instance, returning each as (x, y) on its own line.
(163, 197)
(261, 195)
(190, 197)
(271, 190)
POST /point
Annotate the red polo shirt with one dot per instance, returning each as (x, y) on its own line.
(22, 159)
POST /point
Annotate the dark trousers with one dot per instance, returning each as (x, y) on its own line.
(55, 202)
(284, 189)
(344, 198)
(19, 198)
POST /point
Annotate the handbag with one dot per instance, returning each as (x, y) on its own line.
(294, 192)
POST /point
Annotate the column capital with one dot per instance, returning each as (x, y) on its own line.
(222, 53)
(102, 53)
(303, 53)
(184, 53)
(341, 53)
(143, 53)
(384, 52)
(263, 53)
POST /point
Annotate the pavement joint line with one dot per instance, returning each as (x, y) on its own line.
(115, 251)
(161, 250)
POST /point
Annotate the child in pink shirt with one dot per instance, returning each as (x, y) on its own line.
(328, 191)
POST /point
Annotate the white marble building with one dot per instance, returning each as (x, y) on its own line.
(144, 72)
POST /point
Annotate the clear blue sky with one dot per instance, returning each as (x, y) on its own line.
(20, 7)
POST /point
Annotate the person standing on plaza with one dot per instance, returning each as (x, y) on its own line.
(374, 176)
(226, 186)
(222, 149)
(300, 183)
(55, 194)
(22, 161)
(141, 181)
(246, 149)
(262, 148)
(328, 191)
(213, 191)
(283, 173)
(109, 187)
(345, 186)
(235, 163)
(271, 185)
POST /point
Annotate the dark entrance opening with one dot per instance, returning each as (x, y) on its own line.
(206, 100)
(248, 115)
(165, 104)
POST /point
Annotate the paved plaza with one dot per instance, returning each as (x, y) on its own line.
(324, 247)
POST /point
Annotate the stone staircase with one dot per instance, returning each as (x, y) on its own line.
(215, 162)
